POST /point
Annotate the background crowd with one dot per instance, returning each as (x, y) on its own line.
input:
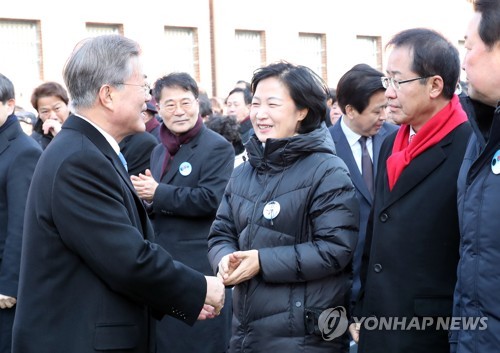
(144, 219)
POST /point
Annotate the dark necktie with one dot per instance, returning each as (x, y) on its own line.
(123, 160)
(366, 165)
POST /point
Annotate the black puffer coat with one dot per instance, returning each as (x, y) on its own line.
(305, 252)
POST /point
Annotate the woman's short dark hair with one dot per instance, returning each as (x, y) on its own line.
(306, 89)
(49, 89)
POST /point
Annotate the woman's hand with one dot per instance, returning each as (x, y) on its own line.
(239, 266)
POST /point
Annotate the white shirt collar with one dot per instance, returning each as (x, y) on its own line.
(351, 136)
(107, 136)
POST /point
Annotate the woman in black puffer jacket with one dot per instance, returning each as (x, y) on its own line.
(286, 229)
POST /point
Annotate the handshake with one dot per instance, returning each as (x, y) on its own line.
(214, 301)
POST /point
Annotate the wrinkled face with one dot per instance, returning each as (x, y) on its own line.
(52, 107)
(179, 109)
(129, 103)
(236, 106)
(410, 103)
(273, 112)
(370, 120)
(481, 65)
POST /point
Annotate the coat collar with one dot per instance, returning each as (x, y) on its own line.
(184, 154)
(8, 135)
(419, 169)
(76, 123)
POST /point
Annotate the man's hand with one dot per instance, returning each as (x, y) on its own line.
(51, 126)
(145, 185)
(207, 312)
(354, 331)
(7, 302)
(215, 294)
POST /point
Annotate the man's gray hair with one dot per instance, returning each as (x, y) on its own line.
(95, 62)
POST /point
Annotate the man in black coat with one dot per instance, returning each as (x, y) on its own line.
(409, 271)
(189, 172)
(19, 154)
(361, 98)
(92, 277)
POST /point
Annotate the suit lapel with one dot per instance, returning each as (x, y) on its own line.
(377, 143)
(157, 158)
(101, 143)
(418, 169)
(344, 151)
(183, 155)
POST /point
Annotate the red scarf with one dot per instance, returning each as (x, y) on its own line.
(173, 142)
(430, 134)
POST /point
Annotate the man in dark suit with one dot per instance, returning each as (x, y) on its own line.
(91, 276)
(19, 154)
(137, 150)
(361, 97)
(189, 172)
(409, 271)
(238, 103)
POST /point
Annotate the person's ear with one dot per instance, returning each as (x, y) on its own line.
(106, 93)
(435, 85)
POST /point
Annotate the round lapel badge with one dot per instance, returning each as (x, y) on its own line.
(185, 168)
(495, 163)
(271, 210)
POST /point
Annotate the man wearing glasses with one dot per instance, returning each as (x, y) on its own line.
(92, 279)
(409, 266)
(189, 172)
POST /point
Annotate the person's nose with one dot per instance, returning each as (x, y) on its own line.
(53, 115)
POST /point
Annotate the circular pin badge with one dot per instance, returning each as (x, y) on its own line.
(185, 168)
(271, 210)
(495, 163)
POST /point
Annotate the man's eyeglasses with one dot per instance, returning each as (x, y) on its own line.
(171, 106)
(386, 81)
(145, 86)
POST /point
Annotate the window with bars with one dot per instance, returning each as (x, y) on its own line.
(369, 51)
(249, 49)
(98, 29)
(313, 52)
(183, 55)
(21, 59)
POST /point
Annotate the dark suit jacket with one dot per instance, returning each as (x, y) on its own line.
(411, 251)
(365, 199)
(137, 150)
(19, 154)
(90, 272)
(184, 208)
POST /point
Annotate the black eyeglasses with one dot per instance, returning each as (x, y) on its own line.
(386, 81)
